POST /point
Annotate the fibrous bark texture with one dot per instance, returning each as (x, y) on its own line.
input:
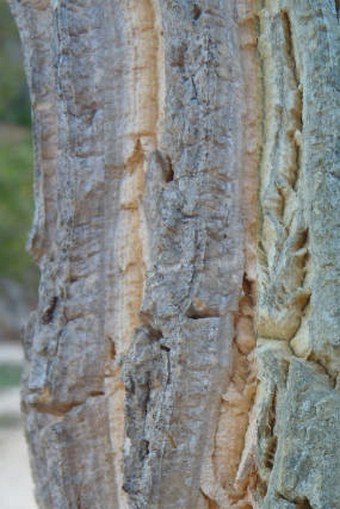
(186, 202)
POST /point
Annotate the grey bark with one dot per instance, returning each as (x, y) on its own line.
(185, 166)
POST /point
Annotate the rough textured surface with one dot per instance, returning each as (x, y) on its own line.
(155, 123)
(298, 290)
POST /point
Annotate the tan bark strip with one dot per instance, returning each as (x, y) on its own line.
(283, 233)
(135, 64)
(233, 454)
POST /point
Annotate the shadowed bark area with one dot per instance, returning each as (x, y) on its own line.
(186, 202)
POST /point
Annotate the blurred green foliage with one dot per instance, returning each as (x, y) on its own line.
(9, 375)
(15, 156)
(15, 201)
(14, 100)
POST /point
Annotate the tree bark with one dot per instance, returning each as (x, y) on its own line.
(186, 196)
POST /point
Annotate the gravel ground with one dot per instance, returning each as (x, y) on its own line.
(16, 487)
(11, 353)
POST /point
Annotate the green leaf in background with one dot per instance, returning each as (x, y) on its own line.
(10, 375)
(15, 200)
(16, 204)
(14, 99)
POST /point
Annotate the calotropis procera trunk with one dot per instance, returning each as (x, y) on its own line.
(187, 199)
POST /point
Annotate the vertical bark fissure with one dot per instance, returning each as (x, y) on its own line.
(283, 232)
(232, 480)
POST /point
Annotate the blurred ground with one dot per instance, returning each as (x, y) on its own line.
(16, 487)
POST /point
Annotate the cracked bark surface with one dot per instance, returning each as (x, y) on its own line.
(185, 349)
(298, 327)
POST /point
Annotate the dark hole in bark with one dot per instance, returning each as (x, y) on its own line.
(248, 288)
(262, 487)
(200, 314)
(303, 503)
(270, 452)
(47, 316)
(112, 348)
(155, 334)
(272, 413)
(143, 449)
(197, 11)
(93, 394)
(169, 174)
(146, 396)
(300, 502)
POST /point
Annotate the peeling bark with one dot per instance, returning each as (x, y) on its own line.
(186, 208)
(297, 290)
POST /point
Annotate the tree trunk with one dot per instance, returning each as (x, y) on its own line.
(184, 164)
